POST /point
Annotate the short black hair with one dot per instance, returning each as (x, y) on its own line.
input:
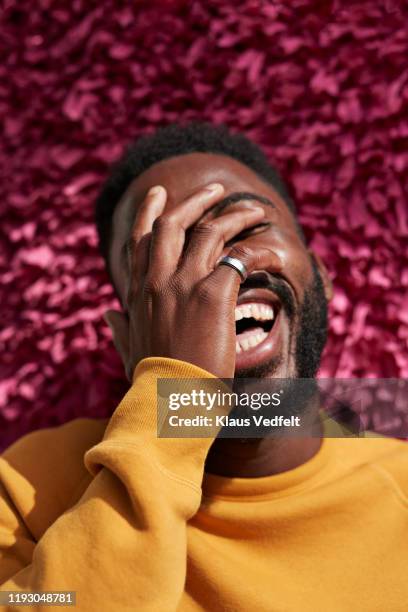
(170, 141)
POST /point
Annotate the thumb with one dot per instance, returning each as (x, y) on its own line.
(119, 327)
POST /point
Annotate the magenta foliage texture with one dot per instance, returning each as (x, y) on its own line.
(321, 86)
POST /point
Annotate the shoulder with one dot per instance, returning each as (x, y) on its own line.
(43, 471)
(392, 464)
(388, 457)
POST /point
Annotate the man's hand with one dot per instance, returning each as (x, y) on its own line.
(179, 302)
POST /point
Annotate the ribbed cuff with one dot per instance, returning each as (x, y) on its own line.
(134, 422)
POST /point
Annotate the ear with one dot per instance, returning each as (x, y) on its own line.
(119, 325)
(328, 285)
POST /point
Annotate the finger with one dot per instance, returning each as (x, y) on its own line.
(169, 230)
(139, 240)
(148, 211)
(229, 280)
(208, 239)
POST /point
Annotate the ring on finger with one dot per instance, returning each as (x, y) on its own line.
(236, 265)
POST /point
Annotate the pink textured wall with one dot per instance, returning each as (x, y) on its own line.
(323, 89)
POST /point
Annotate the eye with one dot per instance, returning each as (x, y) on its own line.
(251, 231)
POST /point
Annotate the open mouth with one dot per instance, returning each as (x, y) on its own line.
(258, 323)
(253, 322)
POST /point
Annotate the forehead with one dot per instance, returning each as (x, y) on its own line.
(182, 175)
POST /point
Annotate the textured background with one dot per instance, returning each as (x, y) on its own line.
(324, 89)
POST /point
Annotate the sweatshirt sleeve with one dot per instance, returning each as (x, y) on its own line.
(123, 545)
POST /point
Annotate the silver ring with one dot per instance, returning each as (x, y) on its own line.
(237, 265)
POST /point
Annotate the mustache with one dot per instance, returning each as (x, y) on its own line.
(275, 283)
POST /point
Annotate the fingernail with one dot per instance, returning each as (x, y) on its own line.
(155, 190)
(214, 187)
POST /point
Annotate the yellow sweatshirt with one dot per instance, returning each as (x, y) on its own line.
(125, 519)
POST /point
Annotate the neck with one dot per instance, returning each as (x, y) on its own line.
(257, 457)
(253, 458)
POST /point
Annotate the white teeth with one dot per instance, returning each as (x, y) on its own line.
(255, 310)
(260, 337)
(266, 312)
(243, 344)
(252, 341)
(252, 337)
(247, 311)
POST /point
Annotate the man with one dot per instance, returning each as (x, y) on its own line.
(133, 521)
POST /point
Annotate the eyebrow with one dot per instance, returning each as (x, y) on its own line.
(229, 200)
(240, 196)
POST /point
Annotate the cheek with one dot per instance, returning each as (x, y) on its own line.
(290, 250)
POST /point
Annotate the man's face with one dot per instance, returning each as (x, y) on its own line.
(281, 318)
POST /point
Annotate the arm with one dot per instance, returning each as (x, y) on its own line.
(123, 544)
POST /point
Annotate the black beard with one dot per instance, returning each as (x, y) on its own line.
(311, 338)
(311, 334)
